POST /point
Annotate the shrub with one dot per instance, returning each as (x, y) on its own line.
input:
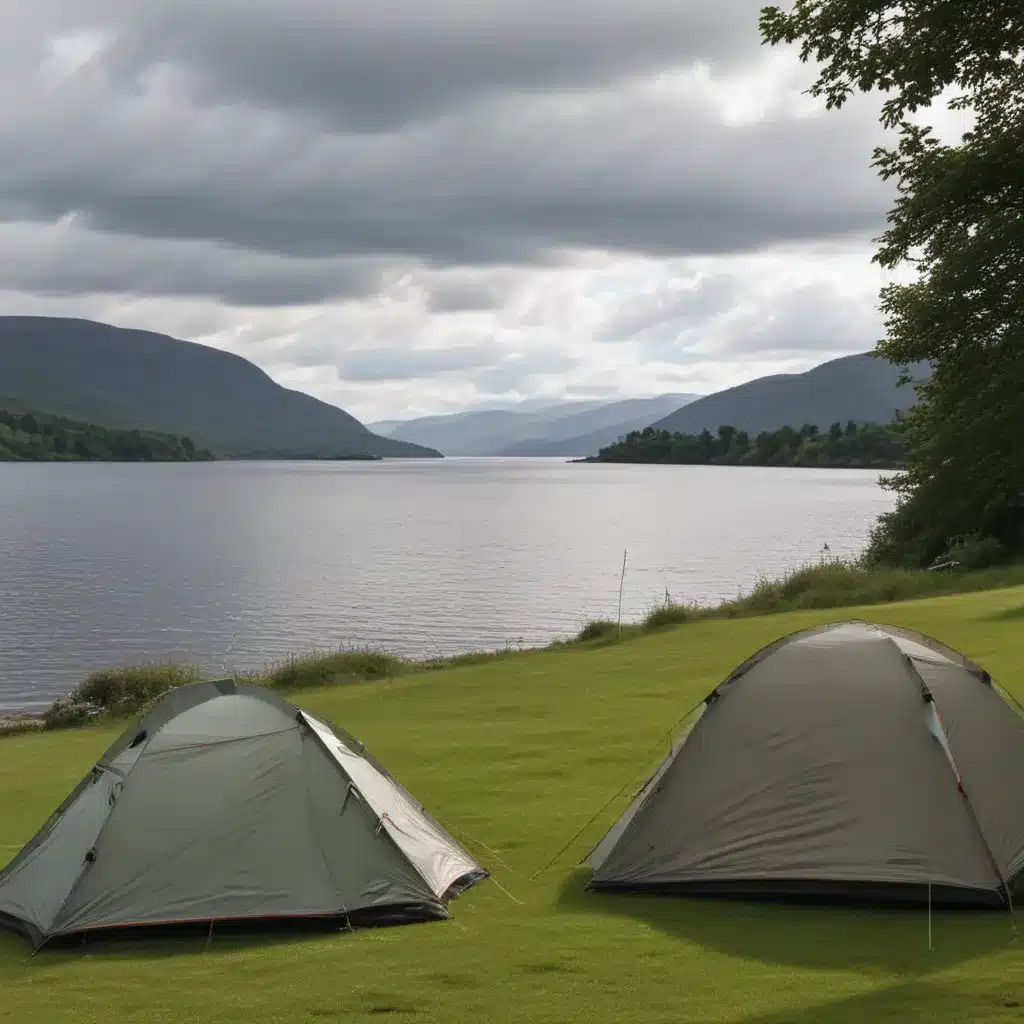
(668, 613)
(336, 667)
(831, 583)
(598, 629)
(68, 711)
(126, 691)
(977, 552)
(18, 726)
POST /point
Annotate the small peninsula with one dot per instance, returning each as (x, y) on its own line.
(855, 446)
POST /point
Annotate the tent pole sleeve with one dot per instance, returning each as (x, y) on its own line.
(929, 698)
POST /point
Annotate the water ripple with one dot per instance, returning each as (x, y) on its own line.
(232, 565)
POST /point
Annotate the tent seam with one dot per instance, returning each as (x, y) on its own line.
(962, 786)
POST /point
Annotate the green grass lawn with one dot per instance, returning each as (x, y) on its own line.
(519, 754)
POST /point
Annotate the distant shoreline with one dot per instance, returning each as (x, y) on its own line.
(595, 460)
(230, 458)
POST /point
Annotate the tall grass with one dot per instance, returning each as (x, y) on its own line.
(669, 613)
(117, 692)
(838, 583)
(829, 583)
(131, 691)
(19, 726)
(343, 666)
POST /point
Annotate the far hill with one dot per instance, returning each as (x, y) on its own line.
(861, 388)
(534, 429)
(582, 433)
(121, 378)
(486, 431)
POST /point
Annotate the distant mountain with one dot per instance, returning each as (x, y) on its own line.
(384, 427)
(860, 388)
(583, 433)
(115, 377)
(485, 431)
(535, 430)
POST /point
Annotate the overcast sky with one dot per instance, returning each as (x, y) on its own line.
(413, 206)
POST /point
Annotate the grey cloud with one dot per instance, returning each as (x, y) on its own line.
(464, 294)
(593, 390)
(381, 65)
(513, 184)
(519, 374)
(491, 368)
(671, 306)
(69, 260)
(411, 363)
(814, 318)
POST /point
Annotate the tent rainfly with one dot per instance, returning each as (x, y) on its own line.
(848, 762)
(227, 803)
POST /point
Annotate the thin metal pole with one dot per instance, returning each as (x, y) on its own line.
(622, 580)
(930, 946)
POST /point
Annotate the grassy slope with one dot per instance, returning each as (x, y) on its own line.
(520, 753)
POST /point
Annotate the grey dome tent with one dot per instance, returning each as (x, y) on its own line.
(847, 762)
(226, 803)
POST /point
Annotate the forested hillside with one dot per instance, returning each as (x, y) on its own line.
(37, 437)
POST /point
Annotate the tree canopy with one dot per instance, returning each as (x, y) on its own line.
(958, 219)
(849, 446)
(38, 437)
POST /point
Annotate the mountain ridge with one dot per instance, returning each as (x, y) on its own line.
(860, 387)
(124, 377)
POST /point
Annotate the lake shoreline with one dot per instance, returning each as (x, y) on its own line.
(596, 460)
(242, 563)
(828, 585)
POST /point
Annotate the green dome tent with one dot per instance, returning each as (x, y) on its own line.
(228, 804)
(851, 761)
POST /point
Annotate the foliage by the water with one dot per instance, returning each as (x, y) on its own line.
(867, 446)
(828, 583)
(117, 692)
(957, 223)
(831, 583)
(39, 437)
